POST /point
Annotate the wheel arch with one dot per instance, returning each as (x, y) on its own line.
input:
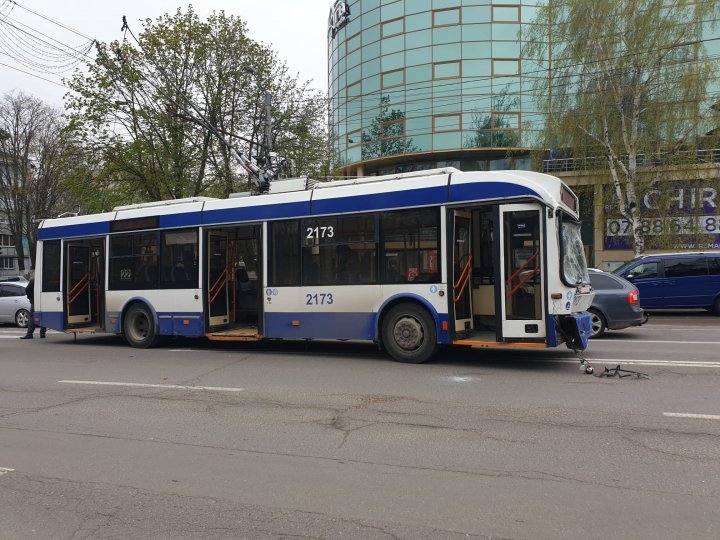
(401, 298)
(131, 302)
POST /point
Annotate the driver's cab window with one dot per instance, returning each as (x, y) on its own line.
(644, 270)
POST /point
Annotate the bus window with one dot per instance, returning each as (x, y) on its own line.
(179, 260)
(134, 261)
(411, 246)
(284, 256)
(51, 266)
(339, 251)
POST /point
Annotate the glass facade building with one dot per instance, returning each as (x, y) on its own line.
(427, 83)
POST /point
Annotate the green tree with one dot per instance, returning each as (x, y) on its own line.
(131, 109)
(628, 83)
(32, 142)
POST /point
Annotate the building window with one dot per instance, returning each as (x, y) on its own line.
(446, 122)
(353, 43)
(393, 28)
(393, 78)
(411, 244)
(509, 14)
(505, 67)
(392, 129)
(7, 263)
(6, 241)
(353, 91)
(447, 70)
(339, 250)
(505, 120)
(446, 17)
(354, 138)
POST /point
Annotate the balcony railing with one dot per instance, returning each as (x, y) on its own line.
(711, 155)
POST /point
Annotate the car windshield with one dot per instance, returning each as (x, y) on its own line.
(574, 266)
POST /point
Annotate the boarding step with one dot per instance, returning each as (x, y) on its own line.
(243, 333)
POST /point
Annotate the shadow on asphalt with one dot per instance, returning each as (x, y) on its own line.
(516, 359)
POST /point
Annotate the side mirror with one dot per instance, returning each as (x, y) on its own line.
(630, 276)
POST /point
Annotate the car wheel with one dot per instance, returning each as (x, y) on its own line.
(139, 327)
(408, 334)
(716, 307)
(22, 318)
(598, 323)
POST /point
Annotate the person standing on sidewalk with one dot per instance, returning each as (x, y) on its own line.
(30, 293)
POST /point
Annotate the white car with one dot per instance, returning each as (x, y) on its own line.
(14, 305)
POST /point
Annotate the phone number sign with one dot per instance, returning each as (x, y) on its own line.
(692, 232)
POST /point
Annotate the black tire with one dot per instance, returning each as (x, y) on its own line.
(22, 318)
(409, 334)
(599, 326)
(139, 327)
(716, 306)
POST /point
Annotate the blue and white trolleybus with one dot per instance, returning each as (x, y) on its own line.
(410, 261)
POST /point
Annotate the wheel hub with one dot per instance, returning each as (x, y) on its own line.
(408, 333)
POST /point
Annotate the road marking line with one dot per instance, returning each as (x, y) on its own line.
(163, 386)
(689, 415)
(666, 363)
(624, 342)
(4, 470)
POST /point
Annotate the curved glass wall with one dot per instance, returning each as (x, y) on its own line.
(430, 76)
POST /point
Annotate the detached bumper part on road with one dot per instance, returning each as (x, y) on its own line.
(576, 328)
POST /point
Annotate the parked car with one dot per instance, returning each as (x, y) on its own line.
(676, 280)
(13, 278)
(14, 305)
(616, 304)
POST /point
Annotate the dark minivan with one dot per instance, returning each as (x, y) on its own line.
(676, 280)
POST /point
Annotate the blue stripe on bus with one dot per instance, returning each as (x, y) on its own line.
(487, 190)
(55, 320)
(380, 201)
(256, 213)
(359, 203)
(67, 231)
(320, 325)
(189, 219)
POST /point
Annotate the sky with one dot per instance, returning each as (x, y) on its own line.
(295, 29)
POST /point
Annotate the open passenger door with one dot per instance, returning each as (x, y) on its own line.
(522, 267)
(462, 272)
(217, 279)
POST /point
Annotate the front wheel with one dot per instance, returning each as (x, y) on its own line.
(139, 327)
(409, 335)
(22, 318)
(598, 323)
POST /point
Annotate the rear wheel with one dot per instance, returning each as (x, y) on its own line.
(598, 323)
(139, 327)
(22, 318)
(408, 334)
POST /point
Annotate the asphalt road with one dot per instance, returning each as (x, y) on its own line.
(196, 440)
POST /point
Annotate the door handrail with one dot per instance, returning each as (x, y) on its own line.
(521, 268)
(85, 282)
(464, 279)
(218, 285)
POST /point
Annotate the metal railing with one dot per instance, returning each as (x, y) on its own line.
(710, 155)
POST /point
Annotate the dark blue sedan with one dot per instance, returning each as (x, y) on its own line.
(616, 304)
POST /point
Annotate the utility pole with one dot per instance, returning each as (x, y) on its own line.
(268, 127)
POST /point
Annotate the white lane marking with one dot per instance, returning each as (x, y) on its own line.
(672, 363)
(624, 342)
(4, 470)
(163, 386)
(689, 415)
